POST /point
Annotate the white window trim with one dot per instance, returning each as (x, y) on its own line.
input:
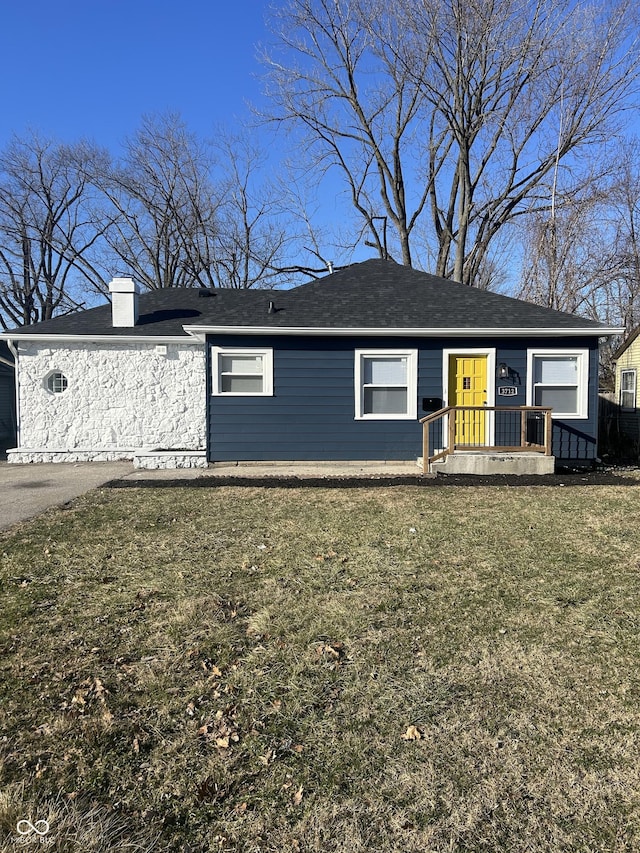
(583, 380)
(412, 384)
(267, 371)
(634, 390)
(56, 390)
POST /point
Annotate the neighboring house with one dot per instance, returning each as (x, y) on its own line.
(7, 397)
(342, 368)
(627, 388)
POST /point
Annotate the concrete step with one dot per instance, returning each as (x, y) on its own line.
(470, 462)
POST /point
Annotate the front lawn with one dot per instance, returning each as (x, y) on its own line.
(372, 669)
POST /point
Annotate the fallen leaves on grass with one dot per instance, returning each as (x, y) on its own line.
(270, 646)
(298, 795)
(328, 556)
(90, 690)
(211, 668)
(333, 653)
(268, 757)
(412, 733)
(222, 730)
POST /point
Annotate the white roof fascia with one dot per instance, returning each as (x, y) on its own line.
(201, 331)
(197, 334)
(114, 339)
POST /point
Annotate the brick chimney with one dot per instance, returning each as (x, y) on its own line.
(124, 302)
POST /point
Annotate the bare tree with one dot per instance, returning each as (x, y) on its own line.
(567, 263)
(47, 230)
(454, 111)
(359, 106)
(584, 256)
(621, 290)
(162, 206)
(254, 229)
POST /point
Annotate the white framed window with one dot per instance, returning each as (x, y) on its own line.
(242, 372)
(56, 382)
(627, 399)
(559, 379)
(386, 384)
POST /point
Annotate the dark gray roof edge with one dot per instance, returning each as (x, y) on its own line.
(352, 298)
(97, 320)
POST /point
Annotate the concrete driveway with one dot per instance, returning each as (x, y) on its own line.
(28, 490)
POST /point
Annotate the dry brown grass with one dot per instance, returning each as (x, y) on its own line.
(396, 669)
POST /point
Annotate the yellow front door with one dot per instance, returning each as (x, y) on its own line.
(468, 387)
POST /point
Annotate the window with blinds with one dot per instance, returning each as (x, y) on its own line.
(628, 390)
(242, 372)
(386, 384)
(559, 380)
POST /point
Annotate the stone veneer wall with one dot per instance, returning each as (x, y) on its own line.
(121, 397)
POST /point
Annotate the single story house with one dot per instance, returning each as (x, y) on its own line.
(627, 388)
(341, 368)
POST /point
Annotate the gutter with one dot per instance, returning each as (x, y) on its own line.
(197, 334)
(114, 339)
(200, 332)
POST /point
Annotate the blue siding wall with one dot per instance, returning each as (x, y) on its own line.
(573, 440)
(311, 414)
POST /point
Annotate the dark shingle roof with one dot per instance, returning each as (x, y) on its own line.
(162, 313)
(374, 294)
(385, 295)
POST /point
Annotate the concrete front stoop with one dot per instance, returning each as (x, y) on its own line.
(494, 463)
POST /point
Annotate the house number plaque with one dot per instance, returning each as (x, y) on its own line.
(507, 391)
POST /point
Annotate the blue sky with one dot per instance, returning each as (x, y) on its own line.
(74, 69)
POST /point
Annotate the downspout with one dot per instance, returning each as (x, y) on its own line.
(14, 350)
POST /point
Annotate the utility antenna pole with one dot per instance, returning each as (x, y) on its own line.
(385, 254)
